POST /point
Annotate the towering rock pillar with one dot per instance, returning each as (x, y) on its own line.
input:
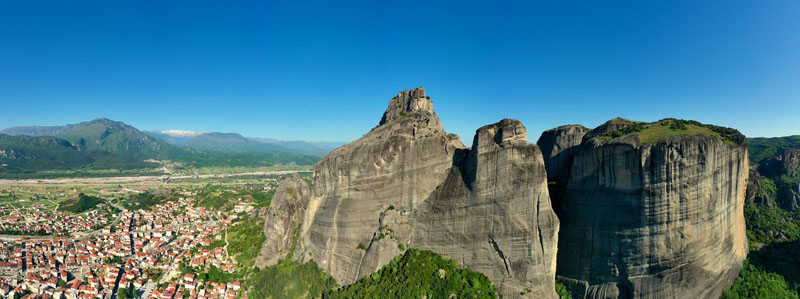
(661, 219)
(493, 213)
(376, 181)
(559, 146)
(409, 183)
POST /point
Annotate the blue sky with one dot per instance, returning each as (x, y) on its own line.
(325, 71)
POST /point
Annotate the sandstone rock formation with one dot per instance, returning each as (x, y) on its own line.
(656, 220)
(791, 200)
(559, 146)
(493, 212)
(753, 196)
(785, 163)
(409, 183)
(283, 219)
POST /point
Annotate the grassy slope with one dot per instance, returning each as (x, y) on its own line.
(660, 130)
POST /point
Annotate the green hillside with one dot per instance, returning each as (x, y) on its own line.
(419, 274)
(81, 204)
(103, 134)
(31, 154)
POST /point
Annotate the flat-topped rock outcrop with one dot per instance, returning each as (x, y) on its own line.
(654, 211)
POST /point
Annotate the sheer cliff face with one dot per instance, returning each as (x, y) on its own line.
(559, 146)
(409, 183)
(284, 216)
(493, 213)
(397, 164)
(659, 220)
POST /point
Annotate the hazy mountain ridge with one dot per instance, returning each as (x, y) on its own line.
(236, 143)
(34, 130)
(106, 144)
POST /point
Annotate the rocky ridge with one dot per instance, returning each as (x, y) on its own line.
(655, 219)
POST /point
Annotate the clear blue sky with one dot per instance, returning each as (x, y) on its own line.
(326, 70)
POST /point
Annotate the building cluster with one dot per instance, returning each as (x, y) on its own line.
(45, 220)
(142, 251)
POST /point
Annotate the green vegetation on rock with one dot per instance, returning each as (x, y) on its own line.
(665, 128)
(561, 290)
(419, 274)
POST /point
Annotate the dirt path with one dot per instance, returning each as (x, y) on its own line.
(225, 249)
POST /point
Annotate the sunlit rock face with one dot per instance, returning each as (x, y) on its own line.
(657, 220)
(493, 213)
(283, 218)
(409, 183)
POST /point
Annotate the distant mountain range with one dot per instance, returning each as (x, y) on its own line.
(106, 144)
(236, 143)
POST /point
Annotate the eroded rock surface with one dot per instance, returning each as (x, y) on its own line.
(409, 183)
(493, 213)
(559, 146)
(785, 163)
(657, 220)
(283, 219)
(753, 194)
(791, 200)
